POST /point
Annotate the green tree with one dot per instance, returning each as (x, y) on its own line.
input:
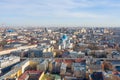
(2, 43)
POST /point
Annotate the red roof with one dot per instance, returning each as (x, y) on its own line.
(79, 60)
(58, 60)
(68, 61)
(27, 73)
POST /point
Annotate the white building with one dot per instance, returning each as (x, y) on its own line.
(7, 61)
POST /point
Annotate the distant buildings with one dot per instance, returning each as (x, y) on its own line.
(60, 53)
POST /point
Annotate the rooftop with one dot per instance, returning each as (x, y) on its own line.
(30, 75)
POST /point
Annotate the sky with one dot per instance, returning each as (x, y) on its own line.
(60, 12)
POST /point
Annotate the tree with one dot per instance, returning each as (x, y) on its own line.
(2, 43)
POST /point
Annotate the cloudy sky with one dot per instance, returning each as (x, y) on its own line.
(60, 12)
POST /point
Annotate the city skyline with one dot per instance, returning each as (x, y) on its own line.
(60, 12)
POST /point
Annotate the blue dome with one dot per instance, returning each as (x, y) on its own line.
(64, 37)
(10, 30)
